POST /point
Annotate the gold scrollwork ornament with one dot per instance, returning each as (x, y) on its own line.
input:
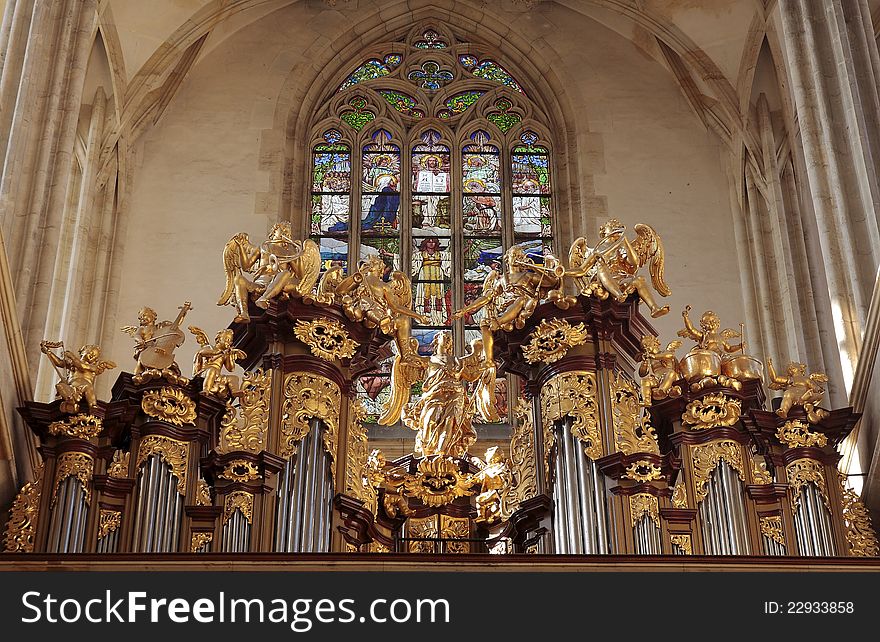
(643, 471)
(706, 458)
(795, 433)
(860, 533)
(22, 524)
(771, 528)
(571, 394)
(244, 427)
(326, 338)
(108, 521)
(118, 468)
(633, 432)
(522, 458)
(642, 504)
(81, 426)
(306, 397)
(200, 540)
(240, 470)
(552, 339)
(173, 452)
(73, 464)
(203, 494)
(169, 404)
(805, 471)
(683, 543)
(438, 481)
(711, 411)
(239, 500)
(679, 495)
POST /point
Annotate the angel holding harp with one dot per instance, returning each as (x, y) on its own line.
(611, 267)
(443, 416)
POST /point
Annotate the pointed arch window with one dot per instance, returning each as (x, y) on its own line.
(430, 155)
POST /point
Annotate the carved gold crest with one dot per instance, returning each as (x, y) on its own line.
(795, 433)
(326, 338)
(643, 471)
(711, 411)
(82, 426)
(438, 481)
(169, 404)
(552, 339)
(240, 470)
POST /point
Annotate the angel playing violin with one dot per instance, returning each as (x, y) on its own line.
(612, 266)
(442, 417)
(211, 360)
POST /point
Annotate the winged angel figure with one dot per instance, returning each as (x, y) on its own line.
(442, 417)
(281, 265)
(611, 267)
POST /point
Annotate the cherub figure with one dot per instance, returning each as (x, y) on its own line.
(493, 477)
(611, 268)
(80, 371)
(800, 390)
(709, 338)
(211, 360)
(155, 342)
(442, 417)
(379, 475)
(659, 370)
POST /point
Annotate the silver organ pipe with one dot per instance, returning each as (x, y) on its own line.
(812, 523)
(722, 514)
(67, 528)
(159, 505)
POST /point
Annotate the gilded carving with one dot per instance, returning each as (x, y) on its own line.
(643, 471)
(524, 484)
(200, 540)
(239, 500)
(552, 339)
(706, 458)
(203, 494)
(173, 452)
(799, 389)
(357, 482)
(22, 524)
(118, 468)
(438, 481)
(642, 504)
(795, 433)
(455, 528)
(683, 543)
(78, 372)
(326, 338)
(771, 528)
(240, 470)
(244, 428)
(494, 477)
(860, 533)
(760, 474)
(679, 495)
(78, 465)
(420, 530)
(169, 404)
(108, 521)
(81, 426)
(155, 343)
(571, 394)
(802, 472)
(308, 396)
(711, 411)
(633, 433)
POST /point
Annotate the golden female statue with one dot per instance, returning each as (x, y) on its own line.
(78, 381)
(611, 268)
(800, 390)
(442, 417)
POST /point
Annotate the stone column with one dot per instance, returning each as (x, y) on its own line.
(833, 67)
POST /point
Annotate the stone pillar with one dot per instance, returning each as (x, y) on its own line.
(833, 67)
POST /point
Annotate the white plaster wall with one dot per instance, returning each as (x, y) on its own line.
(197, 175)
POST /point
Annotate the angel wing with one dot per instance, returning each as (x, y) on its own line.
(233, 263)
(328, 284)
(310, 260)
(673, 345)
(406, 370)
(400, 289)
(578, 253)
(201, 337)
(129, 329)
(474, 367)
(648, 247)
(730, 333)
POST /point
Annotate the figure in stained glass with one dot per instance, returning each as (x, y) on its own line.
(431, 266)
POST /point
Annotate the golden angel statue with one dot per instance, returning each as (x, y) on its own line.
(211, 360)
(78, 375)
(494, 477)
(799, 389)
(155, 343)
(611, 268)
(659, 370)
(443, 416)
(281, 266)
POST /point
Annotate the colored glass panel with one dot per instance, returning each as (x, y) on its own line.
(380, 169)
(334, 252)
(461, 102)
(386, 248)
(481, 214)
(371, 69)
(430, 215)
(425, 337)
(431, 40)
(430, 171)
(489, 70)
(472, 292)
(531, 215)
(531, 174)
(431, 258)
(331, 170)
(482, 172)
(480, 256)
(433, 299)
(330, 214)
(431, 76)
(380, 213)
(402, 103)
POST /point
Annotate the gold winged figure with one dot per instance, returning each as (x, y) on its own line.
(78, 373)
(442, 417)
(799, 389)
(280, 266)
(211, 360)
(611, 267)
(659, 370)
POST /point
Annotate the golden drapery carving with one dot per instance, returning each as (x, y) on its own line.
(22, 524)
(173, 452)
(169, 404)
(72, 464)
(633, 433)
(795, 433)
(706, 458)
(771, 528)
(326, 338)
(642, 504)
(522, 459)
(81, 426)
(683, 543)
(244, 428)
(199, 540)
(552, 339)
(571, 394)
(108, 521)
(239, 500)
(802, 472)
(711, 411)
(308, 396)
(860, 533)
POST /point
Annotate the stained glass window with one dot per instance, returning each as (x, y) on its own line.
(438, 164)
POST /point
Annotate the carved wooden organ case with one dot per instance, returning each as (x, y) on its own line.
(163, 467)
